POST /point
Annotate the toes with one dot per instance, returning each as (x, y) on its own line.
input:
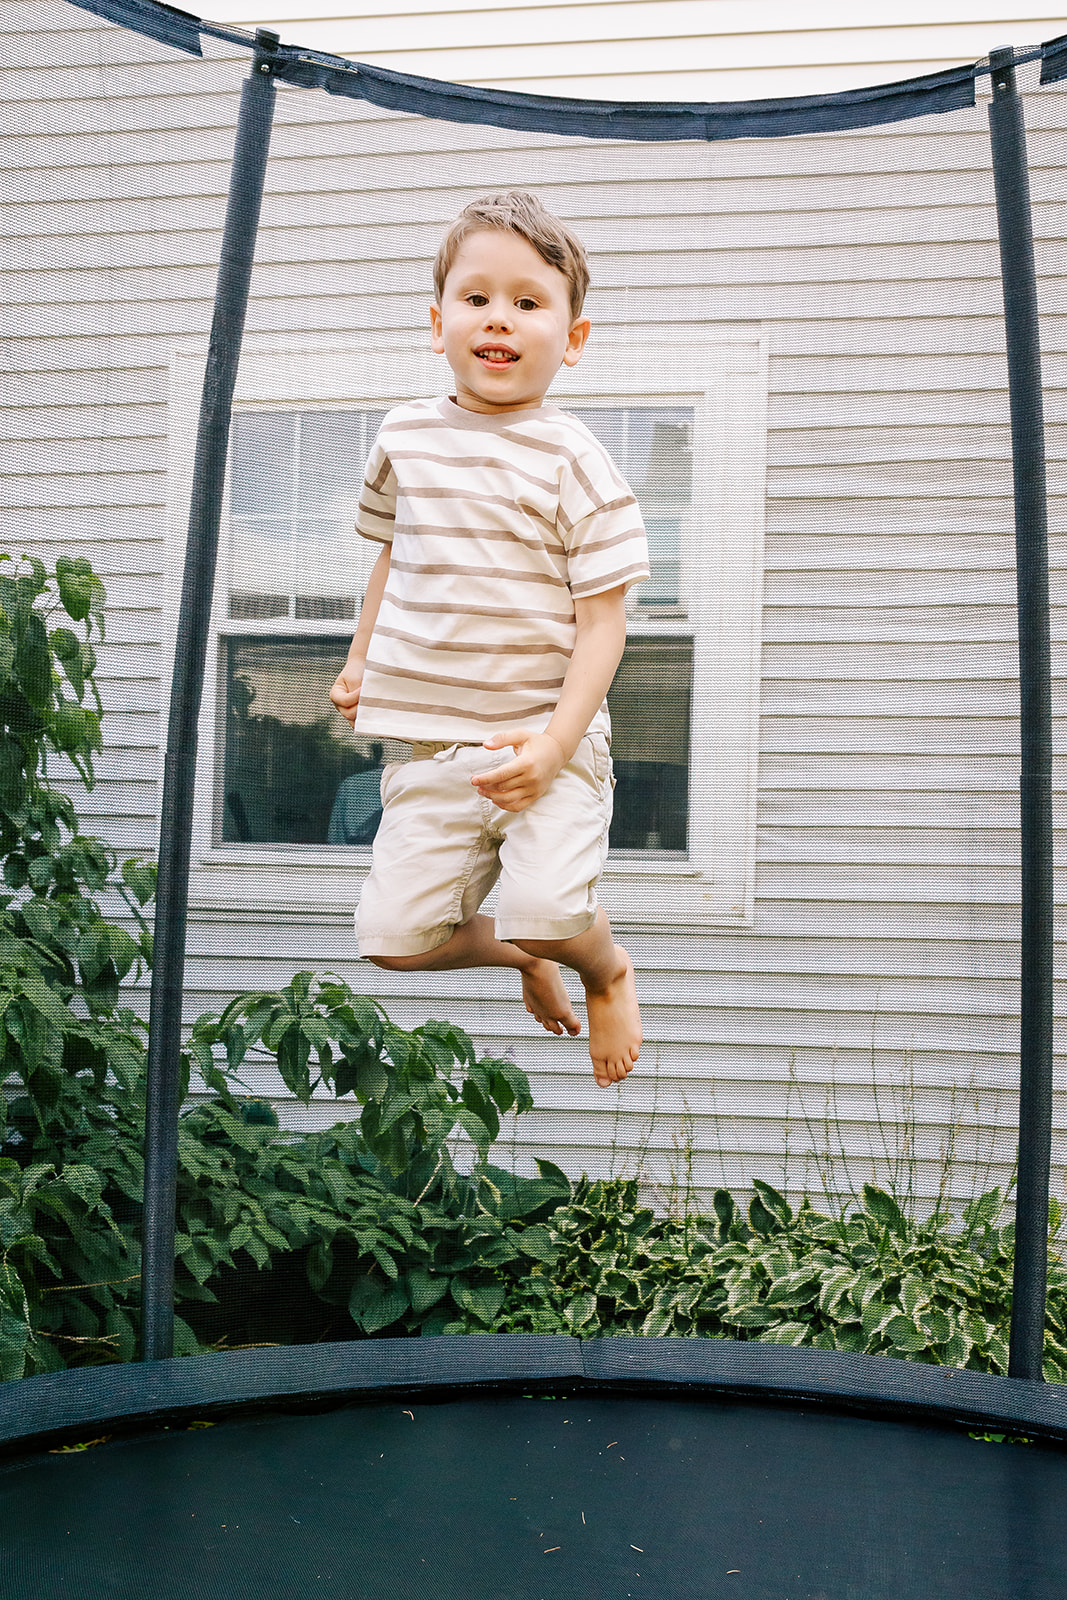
(610, 1072)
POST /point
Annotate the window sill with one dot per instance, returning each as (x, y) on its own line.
(639, 892)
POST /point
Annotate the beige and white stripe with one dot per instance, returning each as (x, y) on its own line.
(497, 524)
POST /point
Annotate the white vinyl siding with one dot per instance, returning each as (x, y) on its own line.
(884, 926)
(659, 49)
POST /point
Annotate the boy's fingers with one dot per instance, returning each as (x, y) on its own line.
(498, 778)
(515, 737)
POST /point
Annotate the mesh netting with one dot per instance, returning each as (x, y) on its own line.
(798, 361)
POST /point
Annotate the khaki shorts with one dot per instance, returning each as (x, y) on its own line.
(441, 847)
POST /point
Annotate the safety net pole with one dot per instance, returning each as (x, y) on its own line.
(1015, 228)
(175, 832)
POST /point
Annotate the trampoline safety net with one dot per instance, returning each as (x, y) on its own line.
(799, 362)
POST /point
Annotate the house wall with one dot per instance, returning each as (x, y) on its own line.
(882, 947)
(659, 49)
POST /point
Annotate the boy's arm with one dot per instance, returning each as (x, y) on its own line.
(598, 647)
(345, 692)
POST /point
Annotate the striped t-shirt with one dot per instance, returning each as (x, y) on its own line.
(497, 524)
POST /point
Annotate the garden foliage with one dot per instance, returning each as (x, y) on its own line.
(869, 1279)
(370, 1222)
(70, 1054)
(369, 1226)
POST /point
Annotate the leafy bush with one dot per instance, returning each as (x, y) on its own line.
(70, 1166)
(390, 1233)
(374, 1215)
(869, 1279)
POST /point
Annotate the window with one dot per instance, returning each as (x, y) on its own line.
(651, 698)
(294, 483)
(284, 780)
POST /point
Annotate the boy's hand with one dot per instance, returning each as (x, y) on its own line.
(517, 784)
(345, 692)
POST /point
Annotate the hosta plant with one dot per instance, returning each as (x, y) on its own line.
(868, 1279)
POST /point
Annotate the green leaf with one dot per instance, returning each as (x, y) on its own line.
(140, 878)
(914, 1295)
(794, 1289)
(725, 1210)
(884, 1209)
(753, 1315)
(938, 1325)
(80, 591)
(905, 1336)
(580, 1312)
(775, 1203)
(876, 1314)
(984, 1211)
(481, 1300)
(7, 657)
(549, 1170)
(836, 1287)
(426, 1289)
(998, 1354)
(793, 1334)
(33, 664)
(978, 1330)
(538, 1243)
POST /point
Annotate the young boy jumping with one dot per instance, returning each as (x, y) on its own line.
(494, 620)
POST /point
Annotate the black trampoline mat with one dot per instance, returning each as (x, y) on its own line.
(508, 1498)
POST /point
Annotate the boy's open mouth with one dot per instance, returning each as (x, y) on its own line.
(494, 354)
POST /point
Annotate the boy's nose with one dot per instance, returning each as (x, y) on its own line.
(498, 317)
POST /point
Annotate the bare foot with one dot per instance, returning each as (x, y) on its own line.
(614, 1024)
(547, 999)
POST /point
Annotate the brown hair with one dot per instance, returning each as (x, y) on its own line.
(516, 211)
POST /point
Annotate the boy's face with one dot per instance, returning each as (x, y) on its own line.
(504, 323)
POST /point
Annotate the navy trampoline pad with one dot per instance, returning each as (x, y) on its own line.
(507, 1498)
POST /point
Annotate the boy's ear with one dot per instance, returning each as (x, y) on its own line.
(437, 338)
(575, 341)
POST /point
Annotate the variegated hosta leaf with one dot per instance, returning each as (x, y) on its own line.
(790, 1333)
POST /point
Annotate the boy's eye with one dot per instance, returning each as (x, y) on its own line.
(478, 299)
(526, 302)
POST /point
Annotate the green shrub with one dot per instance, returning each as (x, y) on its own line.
(869, 1279)
(70, 1055)
(389, 1231)
(373, 1214)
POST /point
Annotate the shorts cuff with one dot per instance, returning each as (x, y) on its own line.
(399, 944)
(544, 927)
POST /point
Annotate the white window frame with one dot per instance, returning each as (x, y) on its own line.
(724, 379)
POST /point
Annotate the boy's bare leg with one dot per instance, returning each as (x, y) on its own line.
(607, 976)
(474, 944)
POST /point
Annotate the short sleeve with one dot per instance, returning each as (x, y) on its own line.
(600, 523)
(376, 516)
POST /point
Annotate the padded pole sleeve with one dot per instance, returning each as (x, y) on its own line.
(175, 832)
(1015, 228)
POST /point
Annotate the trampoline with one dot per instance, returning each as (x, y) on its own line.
(529, 1466)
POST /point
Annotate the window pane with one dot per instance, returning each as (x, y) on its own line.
(663, 585)
(652, 446)
(292, 771)
(650, 708)
(261, 463)
(333, 449)
(295, 479)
